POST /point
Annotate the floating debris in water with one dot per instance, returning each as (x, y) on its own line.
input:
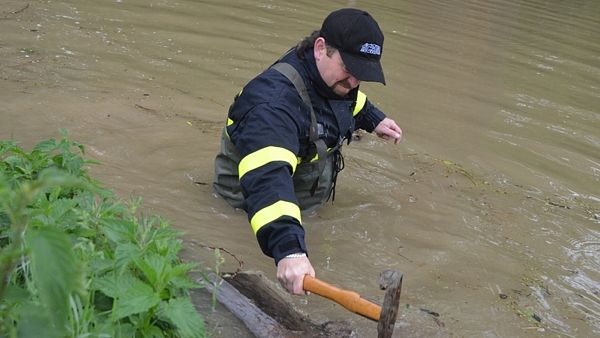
(429, 312)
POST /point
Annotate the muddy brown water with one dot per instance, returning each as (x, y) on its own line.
(490, 205)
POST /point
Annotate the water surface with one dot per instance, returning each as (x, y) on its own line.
(490, 205)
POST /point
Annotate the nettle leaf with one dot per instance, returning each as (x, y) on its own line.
(15, 160)
(155, 269)
(135, 298)
(112, 284)
(154, 332)
(34, 322)
(183, 283)
(57, 212)
(126, 254)
(54, 270)
(46, 146)
(106, 285)
(62, 208)
(181, 313)
(99, 265)
(18, 168)
(6, 146)
(130, 294)
(14, 294)
(118, 230)
(182, 269)
(165, 242)
(124, 330)
(179, 279)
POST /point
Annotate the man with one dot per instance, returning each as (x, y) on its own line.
(280, 151)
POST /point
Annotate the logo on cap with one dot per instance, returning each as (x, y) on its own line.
(370, 48)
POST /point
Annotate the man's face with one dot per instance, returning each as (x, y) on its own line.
(333, 71)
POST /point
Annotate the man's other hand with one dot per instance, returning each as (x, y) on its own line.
(387, 129)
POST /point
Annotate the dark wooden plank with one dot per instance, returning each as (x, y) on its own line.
(260, 324)
(255, 300)
(264, 293)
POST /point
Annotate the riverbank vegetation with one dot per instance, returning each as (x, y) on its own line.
(75, 261)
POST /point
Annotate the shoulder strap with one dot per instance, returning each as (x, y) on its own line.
(292, 74)
(296, 79)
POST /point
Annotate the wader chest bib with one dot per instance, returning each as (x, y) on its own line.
(314, 177)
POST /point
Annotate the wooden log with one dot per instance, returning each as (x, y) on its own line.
(255, 300)
(260, 324)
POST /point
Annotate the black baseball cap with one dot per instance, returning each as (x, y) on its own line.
(358, 38)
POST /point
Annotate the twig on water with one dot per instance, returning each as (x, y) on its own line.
(20, 10)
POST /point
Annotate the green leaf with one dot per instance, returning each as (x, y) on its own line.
(182, 269)
(126, 254)
(34, 323)
(54, 270)
(109, 284)
(14, 294)
(155, 269)
(6, 146)
(184, 283)
(58, 212)
(124, 330)
(130, 294)
(166, 242)
(99, 265)
(118, 230)
(154, 332)
(46, 146)
(181, 313)
(114, 284)
(178, 277)
(136, 297)
(53, 177)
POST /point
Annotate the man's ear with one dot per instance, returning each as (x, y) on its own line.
(320, 49)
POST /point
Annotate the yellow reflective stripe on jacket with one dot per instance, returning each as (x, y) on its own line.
(316, 158)
(230, 121)
(273, 212)
(266, 155)
(361, 99)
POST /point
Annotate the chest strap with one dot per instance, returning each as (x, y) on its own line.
(292, 74)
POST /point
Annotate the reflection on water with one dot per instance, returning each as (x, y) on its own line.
(490, 206)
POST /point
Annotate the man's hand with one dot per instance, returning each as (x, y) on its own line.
(291, 272)
(388, 129)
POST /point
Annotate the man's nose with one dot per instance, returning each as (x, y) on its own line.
(354, 82)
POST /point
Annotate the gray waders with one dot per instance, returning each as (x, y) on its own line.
(313, 180)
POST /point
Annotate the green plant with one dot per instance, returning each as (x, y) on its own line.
(75, 261)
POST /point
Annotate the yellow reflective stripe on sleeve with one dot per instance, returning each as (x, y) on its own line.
(229, 121)
(273, 212)
(361, 99)
(266, 155)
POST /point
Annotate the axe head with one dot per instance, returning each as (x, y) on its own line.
(391, 281)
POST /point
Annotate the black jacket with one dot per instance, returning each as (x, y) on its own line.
(269, 125)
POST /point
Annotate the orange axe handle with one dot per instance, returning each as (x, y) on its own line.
(348, 299)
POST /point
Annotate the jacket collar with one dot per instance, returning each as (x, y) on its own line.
(315, 77)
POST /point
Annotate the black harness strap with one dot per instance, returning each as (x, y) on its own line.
(292, 74)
